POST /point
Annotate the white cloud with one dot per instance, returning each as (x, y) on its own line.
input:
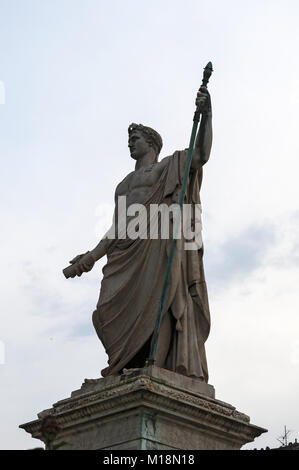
(2, 92)
(255, 333)
(63, 150)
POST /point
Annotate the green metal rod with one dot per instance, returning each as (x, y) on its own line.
(154, 341)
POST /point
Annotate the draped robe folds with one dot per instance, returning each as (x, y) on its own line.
(132, 284)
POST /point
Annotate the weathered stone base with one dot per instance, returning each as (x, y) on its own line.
(147, 409)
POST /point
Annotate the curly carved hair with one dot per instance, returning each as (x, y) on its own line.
(151, 136)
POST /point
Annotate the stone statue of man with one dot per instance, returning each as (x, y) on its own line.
(131, 288)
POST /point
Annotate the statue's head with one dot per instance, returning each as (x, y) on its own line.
(142, 139)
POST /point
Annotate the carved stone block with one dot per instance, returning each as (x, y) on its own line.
(147, 409)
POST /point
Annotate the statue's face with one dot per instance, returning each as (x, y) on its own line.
(138, 145)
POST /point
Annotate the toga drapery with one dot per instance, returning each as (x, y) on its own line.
(132, 284)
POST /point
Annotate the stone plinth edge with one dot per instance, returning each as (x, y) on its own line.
(147, 408)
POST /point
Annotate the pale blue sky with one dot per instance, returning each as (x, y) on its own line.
(76, 74)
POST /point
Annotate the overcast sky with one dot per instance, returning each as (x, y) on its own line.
(76, 74)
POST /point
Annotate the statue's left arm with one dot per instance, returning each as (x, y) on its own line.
(203, 142)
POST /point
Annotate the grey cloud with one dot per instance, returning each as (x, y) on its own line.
(66, 313)
(83, 329)
(237, 257)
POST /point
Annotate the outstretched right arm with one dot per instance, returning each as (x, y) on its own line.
(85, 262)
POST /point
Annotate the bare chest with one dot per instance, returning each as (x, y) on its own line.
(137, 185)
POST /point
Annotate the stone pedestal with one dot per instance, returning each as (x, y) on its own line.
(147, 409)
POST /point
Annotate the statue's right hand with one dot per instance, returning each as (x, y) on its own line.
(74, 260)
(77, 268)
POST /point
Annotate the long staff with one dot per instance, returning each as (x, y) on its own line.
(151, 360)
